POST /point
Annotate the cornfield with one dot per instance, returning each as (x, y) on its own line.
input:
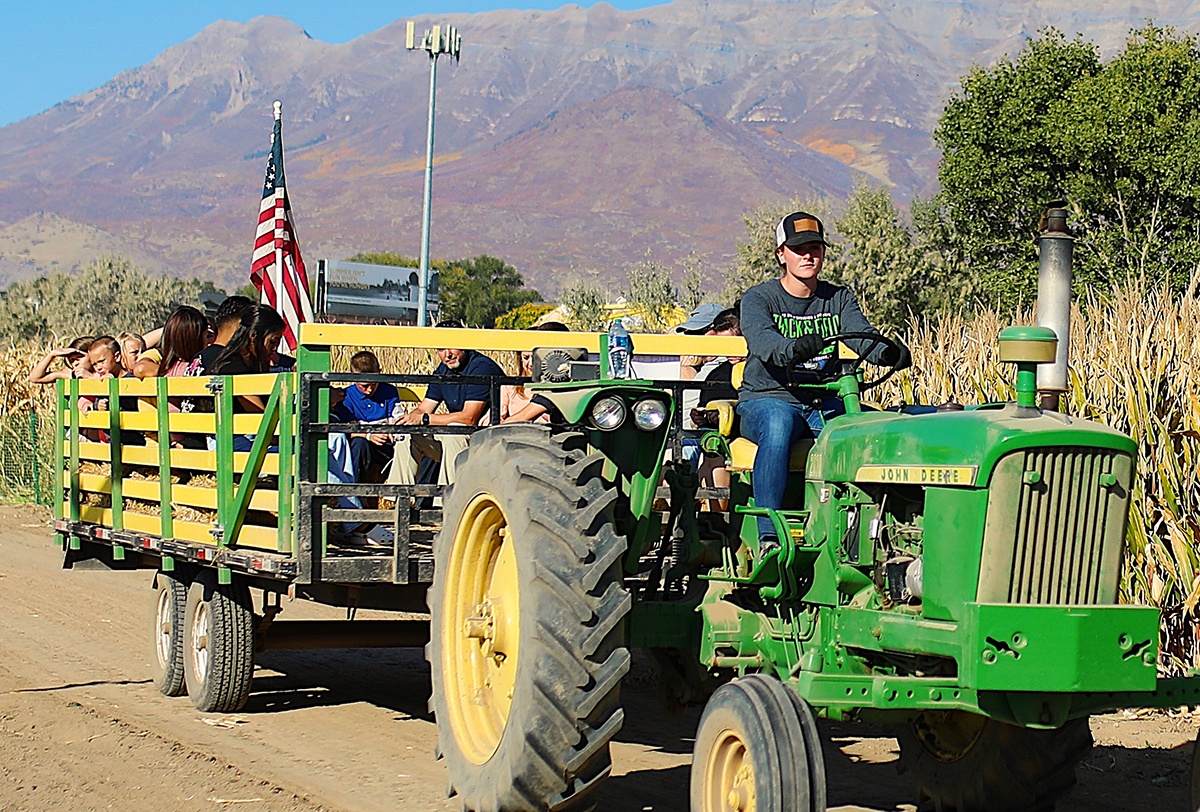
(1135, 366)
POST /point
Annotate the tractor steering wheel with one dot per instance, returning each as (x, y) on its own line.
(854, 365)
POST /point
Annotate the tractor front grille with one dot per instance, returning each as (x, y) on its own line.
(1055, 526)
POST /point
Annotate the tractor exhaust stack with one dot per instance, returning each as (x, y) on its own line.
(1055, 249)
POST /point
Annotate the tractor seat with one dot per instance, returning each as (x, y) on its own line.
(742, 453)
(741, 450)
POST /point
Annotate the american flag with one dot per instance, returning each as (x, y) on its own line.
(276, 268)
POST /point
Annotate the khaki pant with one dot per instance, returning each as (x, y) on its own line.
(410, 448)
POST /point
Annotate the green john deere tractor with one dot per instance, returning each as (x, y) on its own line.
(951, 570)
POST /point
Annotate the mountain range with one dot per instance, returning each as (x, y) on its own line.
(571, 142)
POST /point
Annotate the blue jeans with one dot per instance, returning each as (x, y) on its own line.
(775, 425)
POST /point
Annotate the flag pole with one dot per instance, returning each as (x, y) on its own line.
(277, 108)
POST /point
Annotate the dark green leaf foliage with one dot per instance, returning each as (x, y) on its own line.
(1133, 134)
(480, 289)
(392, 258)
(1117, 140)
(108, 296)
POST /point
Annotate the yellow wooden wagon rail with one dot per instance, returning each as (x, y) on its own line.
(123, 478)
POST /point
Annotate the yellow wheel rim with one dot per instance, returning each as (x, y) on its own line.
(728, 776)
(481, 633)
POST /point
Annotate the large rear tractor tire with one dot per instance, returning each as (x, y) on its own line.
(527, 623)
(166, 633)
(969, 763)
(218, 644)
(757, 751)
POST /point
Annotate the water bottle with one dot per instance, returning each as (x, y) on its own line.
(620, 347)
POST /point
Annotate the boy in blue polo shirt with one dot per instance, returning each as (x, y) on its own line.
(367, 403)
(466, 405)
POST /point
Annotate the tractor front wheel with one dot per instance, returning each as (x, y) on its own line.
(970, 763)
(757, 751)
(527, 613)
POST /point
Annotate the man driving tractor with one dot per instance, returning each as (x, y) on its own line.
(787, 323)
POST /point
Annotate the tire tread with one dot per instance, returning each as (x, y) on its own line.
(569, 710)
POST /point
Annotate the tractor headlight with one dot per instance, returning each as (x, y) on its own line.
(649, 414)
(608, 413)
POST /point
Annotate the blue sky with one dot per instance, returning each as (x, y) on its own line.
(51, 50)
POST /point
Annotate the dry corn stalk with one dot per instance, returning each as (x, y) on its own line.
(100, 500)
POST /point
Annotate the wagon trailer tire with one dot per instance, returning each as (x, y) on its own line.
(218, 644)
(969, 763)
(527, 612)
(167, 611)
(753, 752)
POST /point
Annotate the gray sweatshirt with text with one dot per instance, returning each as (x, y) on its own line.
(772, 319)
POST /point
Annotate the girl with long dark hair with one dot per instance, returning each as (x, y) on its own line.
(183, 336)
(250, 349)
(252, 345)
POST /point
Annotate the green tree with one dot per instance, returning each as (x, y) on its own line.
(651, 293)
(585, 307)
(890, 267)
(479, 289)
(108, 296)
(1130, 134)
(691, 290)
(392, 258)
(1117, 140)
(999, 163)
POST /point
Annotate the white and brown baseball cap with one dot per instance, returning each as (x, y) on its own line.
(799, 228)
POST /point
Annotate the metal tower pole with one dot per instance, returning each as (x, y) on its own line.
(438, 40)
(423, 273)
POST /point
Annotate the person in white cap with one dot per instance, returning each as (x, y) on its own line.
(785, 322)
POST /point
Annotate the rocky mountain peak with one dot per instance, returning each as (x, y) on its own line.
(624, 126)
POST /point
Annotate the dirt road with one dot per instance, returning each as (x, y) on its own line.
(82, 727)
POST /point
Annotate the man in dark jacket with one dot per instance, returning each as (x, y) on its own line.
(466, 405)
(785, 322)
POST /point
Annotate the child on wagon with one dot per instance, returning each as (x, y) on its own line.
(76, 363)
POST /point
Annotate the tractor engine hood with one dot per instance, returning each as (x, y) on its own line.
(945, 448)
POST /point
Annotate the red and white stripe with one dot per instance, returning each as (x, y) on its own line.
(276, 265)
